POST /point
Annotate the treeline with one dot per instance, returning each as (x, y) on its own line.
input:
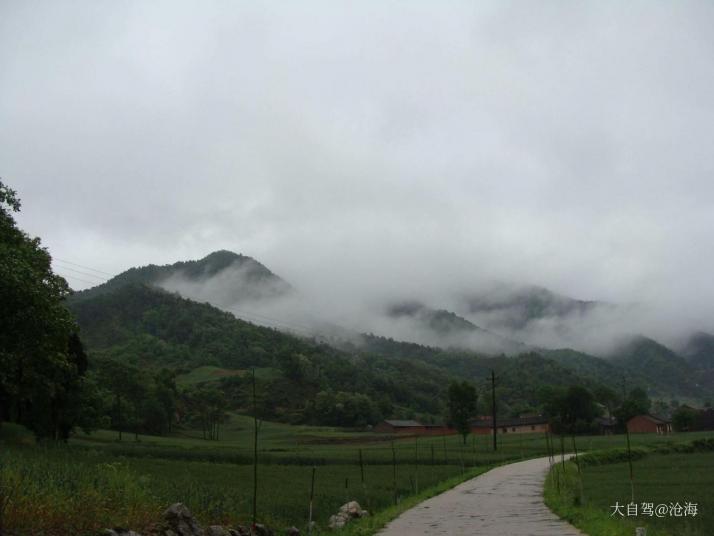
(42, 361)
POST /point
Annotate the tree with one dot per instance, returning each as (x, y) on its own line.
(578, 409)
(41, 360)
(607, 397)
(462, 405)
(570, 410)
(636, 403)
(684, 418)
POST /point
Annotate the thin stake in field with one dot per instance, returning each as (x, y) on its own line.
(416, 464)
(394, 473)
(312, 496)
(493, 411)
(629, 450)
(255, 454)
(629, 462)
(361, 468)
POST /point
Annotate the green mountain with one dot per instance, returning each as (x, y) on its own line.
(153, 329)
(451, 330)
(143, 318)
(699, 351)
(514, 308)
(663, 370)
(224, 278)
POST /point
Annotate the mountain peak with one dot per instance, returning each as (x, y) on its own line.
(223, 276)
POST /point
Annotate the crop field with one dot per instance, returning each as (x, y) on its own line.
(665, 480)
(659, 479)
(97, 481)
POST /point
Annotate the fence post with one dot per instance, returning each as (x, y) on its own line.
(312, 495)
(361, 467)
(394, 472)
(629, 461)
(416, 464)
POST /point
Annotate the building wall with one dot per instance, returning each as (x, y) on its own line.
(518, 429)
(642, 425)
(384, 428)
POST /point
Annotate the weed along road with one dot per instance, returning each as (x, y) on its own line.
(506, 501)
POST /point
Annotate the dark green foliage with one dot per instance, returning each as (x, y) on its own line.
(636, 403)
(462, 406)
(683, 418)
(658, 369)
(147, 328)
(571, 410)
(342, 409)
(41, 358)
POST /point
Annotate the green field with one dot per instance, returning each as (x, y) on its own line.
(97, 481)
(667, 478)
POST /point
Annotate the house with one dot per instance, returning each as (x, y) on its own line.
(521, 425)
(648, 424)
(438, 429)
(400, 427)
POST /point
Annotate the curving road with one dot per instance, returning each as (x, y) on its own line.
(505, 501)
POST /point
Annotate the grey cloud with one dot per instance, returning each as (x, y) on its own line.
(373, 151)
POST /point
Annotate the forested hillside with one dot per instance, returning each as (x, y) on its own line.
(153, 329)
(237, 277)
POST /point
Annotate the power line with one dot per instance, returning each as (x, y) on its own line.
(83, 273)
(255, 317)
(79, 279)
(83, 266)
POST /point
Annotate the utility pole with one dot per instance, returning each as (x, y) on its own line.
(255, 454)
(493, 410)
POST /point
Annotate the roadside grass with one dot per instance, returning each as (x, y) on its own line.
(659, 478)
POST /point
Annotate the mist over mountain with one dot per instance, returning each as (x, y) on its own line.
(515, 308)
(408, 329)
(699, 350)
(492, 320)
(222, 278)
(447, 329)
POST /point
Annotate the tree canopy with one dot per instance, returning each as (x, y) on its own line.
(41, 358)
(462, 406)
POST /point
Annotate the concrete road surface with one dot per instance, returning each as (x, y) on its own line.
(505, 501)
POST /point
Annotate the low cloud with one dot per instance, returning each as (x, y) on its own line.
(377, 152)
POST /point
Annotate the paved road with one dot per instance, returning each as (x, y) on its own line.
(506, 501)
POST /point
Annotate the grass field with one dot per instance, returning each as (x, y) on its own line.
(208, 373)
(96, 481)
(658, 479)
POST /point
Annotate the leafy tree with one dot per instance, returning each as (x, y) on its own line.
(636, 403)
(462, 405)
(571, 410)
(578, 409)
(684, 418)
(41, 358)
(607, 397)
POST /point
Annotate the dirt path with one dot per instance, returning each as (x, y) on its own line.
(506, 501)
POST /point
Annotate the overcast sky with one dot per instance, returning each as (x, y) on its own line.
(371, 145)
